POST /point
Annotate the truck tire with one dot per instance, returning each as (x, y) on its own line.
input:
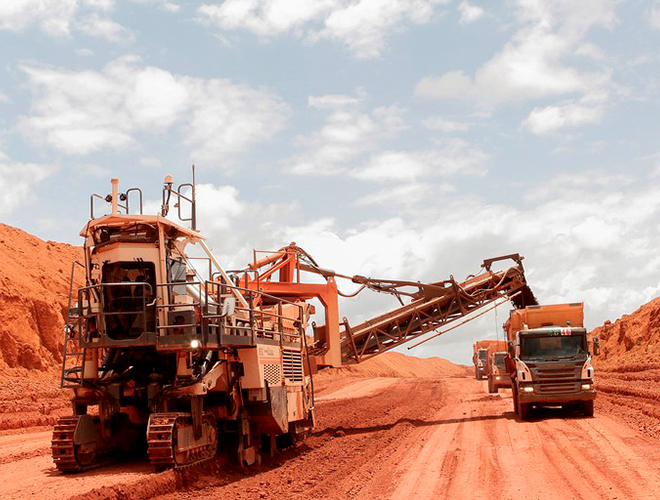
(514, 392)
(491, 387)
(476, 373)
(524, 410)
(588, 408)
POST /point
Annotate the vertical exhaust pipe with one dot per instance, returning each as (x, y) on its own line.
(115, 195)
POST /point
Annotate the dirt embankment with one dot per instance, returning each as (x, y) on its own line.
(34, 287)
(628, 368)
(394, 364)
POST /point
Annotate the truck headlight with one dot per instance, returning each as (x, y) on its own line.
(497, 378)
(195, 344)
(586, 387)
(528, 388)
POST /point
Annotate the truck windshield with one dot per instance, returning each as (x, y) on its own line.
(482, 354)
(499, 359)
(556, 346)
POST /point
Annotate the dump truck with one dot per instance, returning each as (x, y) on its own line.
(550, 358)
(481, 356)
(498, 377)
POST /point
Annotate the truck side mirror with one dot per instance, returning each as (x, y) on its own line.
(596, 346)
(510, 347)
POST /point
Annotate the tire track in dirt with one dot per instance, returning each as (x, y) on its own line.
(416, 470)
(580, 458)
(21, 446)
(399, 438)
(579, 436)
(572, 470)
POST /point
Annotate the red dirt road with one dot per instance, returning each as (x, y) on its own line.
(448, 438)
(388, 438)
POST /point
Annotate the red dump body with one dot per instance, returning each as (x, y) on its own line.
(540, 316)
(482, 363)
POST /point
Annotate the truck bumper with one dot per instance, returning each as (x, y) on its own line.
(532, 397)
(503, 382)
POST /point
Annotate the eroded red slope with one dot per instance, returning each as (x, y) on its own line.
(34, 286)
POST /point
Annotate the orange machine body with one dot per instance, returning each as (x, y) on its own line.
(278, 274)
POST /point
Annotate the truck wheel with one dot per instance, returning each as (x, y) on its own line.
(524, 410)
(588, 408)
(514, 391)
(491, 389)
(476, 373)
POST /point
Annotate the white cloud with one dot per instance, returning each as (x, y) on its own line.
(228, 118)
(470, 13)
(358, 143)
(456, 157)
(82, 112)
(347, 133)
(590, 50)
(654, 19)
(542, 121)
(84, 52)
(104, 27)
(407, 194)
(59, 18)
(267, 18)
(52, 16)
(447, 126)
(219, 207)
(103, 5)
(17, 181)
(161, 4)
(574, 184)
(531, 65)
(332, 101)
(361, 25)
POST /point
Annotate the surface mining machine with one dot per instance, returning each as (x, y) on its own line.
(180, 359)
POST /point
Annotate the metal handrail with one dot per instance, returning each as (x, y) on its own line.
(91, 204)
(67, 334)
(128, 194)
(260, 312)
(282, 327)
(85, 307)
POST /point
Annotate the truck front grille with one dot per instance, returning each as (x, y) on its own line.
(559, 374)
(558, 387)
(556, 378)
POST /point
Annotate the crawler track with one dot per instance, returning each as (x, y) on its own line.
(69, 457)
(163, 447)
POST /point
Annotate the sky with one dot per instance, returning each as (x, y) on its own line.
(397, 139)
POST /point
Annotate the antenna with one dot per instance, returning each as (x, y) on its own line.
(194, 201)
